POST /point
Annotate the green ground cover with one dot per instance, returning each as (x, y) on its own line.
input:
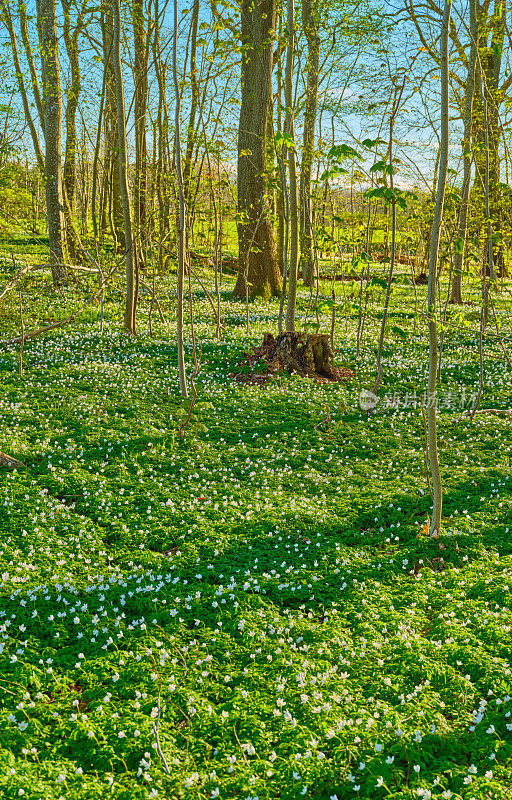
(258, 591)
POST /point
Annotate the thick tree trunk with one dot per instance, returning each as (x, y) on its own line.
(257, 260)
(52, 101)
(310, 26)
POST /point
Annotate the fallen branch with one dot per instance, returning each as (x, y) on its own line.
(9, 286)
(62, 322)
(500, 412)
(68, 266)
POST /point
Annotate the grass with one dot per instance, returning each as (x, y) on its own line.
(258, 590)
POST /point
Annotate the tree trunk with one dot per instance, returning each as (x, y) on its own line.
(140, 76)
(52, 101)
(22, 8)
(129, 312)
(293, 265)
(257, 259)
(310, 26)
(487, 130)
(182, 224)
(111, 159)
(435, 524)
(458, 261)
(187, 166)
(96, 156)
(71, 42)
(6, 20)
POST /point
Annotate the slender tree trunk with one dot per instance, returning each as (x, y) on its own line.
(293, 265)
(310, 26)
(486, 125)
(52, 102)
(257, 259)
(22, 8)
(191, 127)
(69, 177)
(182, 234)
(129, 312)
(380, 369)
(113, 187)
(95, 160)
(280, 203)
(140, 76)
(458, 261)
(437, 488)
(6, 20)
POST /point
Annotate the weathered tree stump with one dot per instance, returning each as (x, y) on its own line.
(306, 354)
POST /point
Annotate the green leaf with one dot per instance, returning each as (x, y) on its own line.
(378, 166)
(497, 51)
(399, 332)
(284, 140)
(372, 142)
(378, 192)
(378, 282)
(341, 151)
(332, 172)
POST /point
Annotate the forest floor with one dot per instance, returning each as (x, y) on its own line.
(256, 596)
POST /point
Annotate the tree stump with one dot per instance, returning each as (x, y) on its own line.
(306, 354)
